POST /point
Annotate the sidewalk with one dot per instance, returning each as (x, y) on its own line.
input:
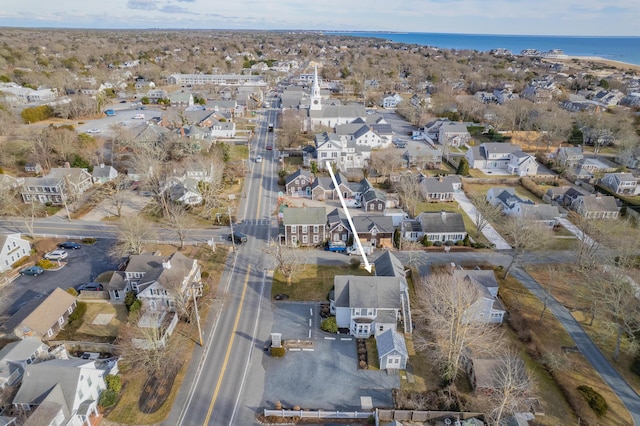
(575, 231)
(488, 231)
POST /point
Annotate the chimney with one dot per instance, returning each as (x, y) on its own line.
(67, 165)
(166, 264)
(441, 178)
(102, 165)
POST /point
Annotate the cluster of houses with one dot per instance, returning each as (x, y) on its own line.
(52, 387)
(61, 184)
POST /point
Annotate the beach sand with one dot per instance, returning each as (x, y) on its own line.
(588, 61)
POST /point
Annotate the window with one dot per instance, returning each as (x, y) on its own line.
(315, 239)
(334, 155)
(294, 240)
(305, 239)
(316, 229)
(61, 321)
(70, 309)
(293, 228)
(305, 229)
(323, 155)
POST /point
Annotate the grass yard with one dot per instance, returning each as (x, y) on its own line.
(238, 152)
(313, 282)
(547, 337)
(564, 285)
(119, 313)
(127, 412)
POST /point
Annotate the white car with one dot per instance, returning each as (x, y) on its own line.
(93, 131)
(56, 255)
(259, 159)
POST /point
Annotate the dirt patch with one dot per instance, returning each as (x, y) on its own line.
(156, 390)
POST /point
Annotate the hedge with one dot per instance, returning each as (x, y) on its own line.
(595, 400)
(329, 325)
(277, 352)
(78, 312)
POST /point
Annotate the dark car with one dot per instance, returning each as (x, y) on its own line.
(237, 237)
(32, 270)
(69, 245)
(91, 287)
(269, 147)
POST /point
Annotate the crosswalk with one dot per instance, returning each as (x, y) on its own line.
(249, 222)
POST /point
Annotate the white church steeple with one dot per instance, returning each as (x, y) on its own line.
(316, 99)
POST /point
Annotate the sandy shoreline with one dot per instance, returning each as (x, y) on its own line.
(584, 60)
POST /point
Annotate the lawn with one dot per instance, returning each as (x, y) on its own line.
(547, 336)
(313, 282)
(111, 329)
(564, 285)
(238, 153)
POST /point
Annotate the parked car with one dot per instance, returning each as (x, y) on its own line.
(32, 270)
(237, 237)
(56, 255)
(69, 245)
(93, 131)
(91, 287)
(259, 159)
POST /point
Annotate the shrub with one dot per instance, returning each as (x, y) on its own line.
(20, 262)
(46, 264)
(354, 263)
(329, 325)
(78, 312)
(108, 398)
(466, 242)
(277, 352)
(459, 243)
(129, 300)
(635, 365)
(204, 275)
(35, 114)
(428, 243)
(595, 400)
(72, 291)
(88, 241)
(113, 382)
(437, 243)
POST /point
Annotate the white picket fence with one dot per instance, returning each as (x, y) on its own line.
(320, 414)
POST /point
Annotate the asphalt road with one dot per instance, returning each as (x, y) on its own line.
(219, 388)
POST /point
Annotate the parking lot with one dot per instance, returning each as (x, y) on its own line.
(82, 266)
(325, 378)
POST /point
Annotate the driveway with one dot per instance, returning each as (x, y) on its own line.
(488, 231)
(83, 265)
(326, 378)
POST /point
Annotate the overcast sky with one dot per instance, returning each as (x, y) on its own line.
(546, 17)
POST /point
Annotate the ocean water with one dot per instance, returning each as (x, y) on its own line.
(624, 49)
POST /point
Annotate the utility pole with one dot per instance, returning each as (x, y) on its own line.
(233, 237)
(195, 305)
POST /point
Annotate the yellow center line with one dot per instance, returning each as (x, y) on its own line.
(229, 346)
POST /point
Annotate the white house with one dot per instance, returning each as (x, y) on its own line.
(15, 357)
(63, 391)
(488, 307)
(522, 164)
(158, 280)
(491, 155)
(436, 226)
(391, 101)
(621, 183)
(12, 249)
(367, 306)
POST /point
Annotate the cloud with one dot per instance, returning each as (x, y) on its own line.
(186, 1)
(142, 4)
(172, 8)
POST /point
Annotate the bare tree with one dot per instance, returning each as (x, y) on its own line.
(41, 148)
(150, 161)
(29, 212)
(617, 298)
(291, 125)
(289, 260)
(511, 388)
(145, 348)
(178, 220)
(446, 316)
(485, 211)
(133, 234)
(526, 236)
(408, 187)
(385, 160)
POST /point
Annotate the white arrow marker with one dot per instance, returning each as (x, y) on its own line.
(356, 238)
